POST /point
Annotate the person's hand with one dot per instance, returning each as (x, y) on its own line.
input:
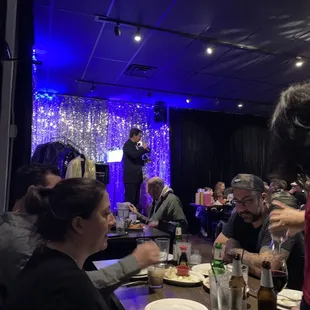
(286, 217)
(132, 209)
(147, 254)
(153, 224)
(294, 308)
(144, 145)
(231, 248)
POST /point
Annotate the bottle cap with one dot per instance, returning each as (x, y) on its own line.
(266, 264)
(237, 256)
(218, 246)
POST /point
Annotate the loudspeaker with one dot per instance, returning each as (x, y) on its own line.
(103, 173)
(160, 112)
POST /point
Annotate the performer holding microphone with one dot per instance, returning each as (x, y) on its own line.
(133, 163)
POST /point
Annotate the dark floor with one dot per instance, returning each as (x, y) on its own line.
(203, 245)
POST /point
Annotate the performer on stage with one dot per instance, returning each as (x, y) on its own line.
(133, 163)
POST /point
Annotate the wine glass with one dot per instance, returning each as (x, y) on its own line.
(279, 270)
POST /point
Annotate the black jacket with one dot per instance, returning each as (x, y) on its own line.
(133, 162)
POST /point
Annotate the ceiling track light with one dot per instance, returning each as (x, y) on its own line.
(137, 36)
(240, 105)
(299, 62)
(188, 100)
(210, 50)
(117, 30)
(92, 89)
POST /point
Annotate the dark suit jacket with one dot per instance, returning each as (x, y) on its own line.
(133, 163)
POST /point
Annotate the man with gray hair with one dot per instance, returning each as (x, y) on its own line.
(166, 206)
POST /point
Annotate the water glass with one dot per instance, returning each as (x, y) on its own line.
(132, 217)
(164, 245)
(156, 275)
(245, 273)
(222, 296)
(143, 240)
(120, 225)
(195, 258)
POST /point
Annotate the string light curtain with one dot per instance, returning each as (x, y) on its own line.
(99, 126)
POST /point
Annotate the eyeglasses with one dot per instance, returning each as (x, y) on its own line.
(247, 202)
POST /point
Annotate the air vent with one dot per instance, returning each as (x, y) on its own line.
(140, 71)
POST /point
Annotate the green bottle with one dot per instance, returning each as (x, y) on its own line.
(217, 261)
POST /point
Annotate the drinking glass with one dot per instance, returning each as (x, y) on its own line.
(156, 275)
(164, 245)
(120, 225)
(143, 240)
(278, 237)
(279, 270)
(221, 294)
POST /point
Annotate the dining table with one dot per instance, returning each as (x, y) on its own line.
(123, 245)
(137, 297)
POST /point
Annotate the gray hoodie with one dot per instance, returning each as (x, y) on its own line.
(167, 208)
(18, 241)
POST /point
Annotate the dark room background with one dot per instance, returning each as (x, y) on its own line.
(207, 147)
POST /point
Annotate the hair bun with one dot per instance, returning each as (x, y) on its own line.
(37, 199)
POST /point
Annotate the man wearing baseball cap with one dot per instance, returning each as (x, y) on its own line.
(246, 231)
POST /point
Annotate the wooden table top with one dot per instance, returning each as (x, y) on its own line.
(147, 232)
(137, 297)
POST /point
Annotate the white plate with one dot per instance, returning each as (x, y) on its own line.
(175, 304)
(286, 302)
(180, 282)
(206, 283)
(202, 269)
(141, 274)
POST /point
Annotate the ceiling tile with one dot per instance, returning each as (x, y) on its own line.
(104, 71)
(251, 91)
(140, 11)
(231, 62)
(261, 68)
(199, 83)
(91, 7)
(161, 49)
(226, 86)
(194, 58)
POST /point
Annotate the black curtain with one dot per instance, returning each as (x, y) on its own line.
(23, 89)
(207, 147)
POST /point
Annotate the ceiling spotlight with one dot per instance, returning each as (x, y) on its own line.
(117, 30)
(299, 62)
(92, 89)
(240, 105)
(137, 36)
(209, 50)
(188, 100)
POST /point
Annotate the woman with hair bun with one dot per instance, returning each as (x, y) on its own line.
(73, 219)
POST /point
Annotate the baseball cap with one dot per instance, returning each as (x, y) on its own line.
(294, 184)
(249, 182)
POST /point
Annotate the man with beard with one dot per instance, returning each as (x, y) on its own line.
(247, 232)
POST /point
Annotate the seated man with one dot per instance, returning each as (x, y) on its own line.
(18, 239)
(165, 205)
(247, 230)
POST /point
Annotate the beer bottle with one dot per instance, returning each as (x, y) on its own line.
(266, 297)
(177, 238)
(237, 285)
(217, 261)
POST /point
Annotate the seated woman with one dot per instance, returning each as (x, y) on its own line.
(74, 219)
(219, 193)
